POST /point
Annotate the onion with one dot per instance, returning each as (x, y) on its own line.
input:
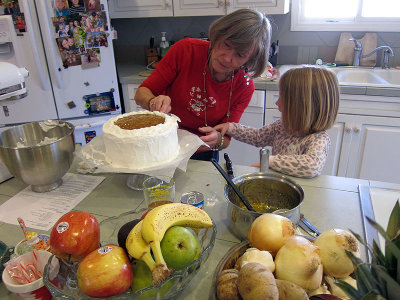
(332, 244)
(254, 255)
(269, 232)
(298, 261)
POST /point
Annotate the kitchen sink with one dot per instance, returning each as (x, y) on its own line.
(361, 76)
(368, 76)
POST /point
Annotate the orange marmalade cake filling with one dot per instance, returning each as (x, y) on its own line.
(139, 121)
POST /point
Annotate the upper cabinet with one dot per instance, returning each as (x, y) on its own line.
(168, 8)
(140, 8)
(268, 7)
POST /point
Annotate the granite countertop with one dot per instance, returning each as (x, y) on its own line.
(128, 73)
(334, 197)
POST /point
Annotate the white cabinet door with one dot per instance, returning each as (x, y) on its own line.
(336, 136)
(128, 92)
(199, 7)
(140, 8)
(268, 7)
(374, 153)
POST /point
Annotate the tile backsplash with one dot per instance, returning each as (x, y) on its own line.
(294, 47)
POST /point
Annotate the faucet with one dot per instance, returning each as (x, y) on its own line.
(358, 49)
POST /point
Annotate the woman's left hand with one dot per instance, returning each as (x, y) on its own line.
(211, 138)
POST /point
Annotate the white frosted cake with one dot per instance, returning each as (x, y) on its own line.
(140, 140)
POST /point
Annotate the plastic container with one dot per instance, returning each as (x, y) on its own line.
(36, 289)
(164, 45)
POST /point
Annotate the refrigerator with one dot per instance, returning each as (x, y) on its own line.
(69, 54)
(67, 48)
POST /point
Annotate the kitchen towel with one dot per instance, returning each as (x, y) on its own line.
(345, 50)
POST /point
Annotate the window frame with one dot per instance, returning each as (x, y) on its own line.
(299, 23)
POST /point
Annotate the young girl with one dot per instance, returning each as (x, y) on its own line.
(309, 102)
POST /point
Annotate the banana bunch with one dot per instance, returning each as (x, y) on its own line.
(146, 236)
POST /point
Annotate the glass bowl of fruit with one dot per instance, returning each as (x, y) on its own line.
(114, 231)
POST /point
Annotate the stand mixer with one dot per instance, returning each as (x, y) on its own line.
(12, 87)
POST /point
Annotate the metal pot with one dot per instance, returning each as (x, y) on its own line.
(278, 191)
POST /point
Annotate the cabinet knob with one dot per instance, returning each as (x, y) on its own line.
(356, 129)
(221, 2)
(167, 4)
(347, 129)
(227, 3)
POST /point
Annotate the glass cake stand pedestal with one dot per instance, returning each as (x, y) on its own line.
(135, 181)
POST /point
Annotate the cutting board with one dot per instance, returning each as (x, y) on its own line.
(345, 50)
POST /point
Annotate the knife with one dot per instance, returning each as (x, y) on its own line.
(228, 164)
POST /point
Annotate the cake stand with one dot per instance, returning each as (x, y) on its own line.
(135, 181)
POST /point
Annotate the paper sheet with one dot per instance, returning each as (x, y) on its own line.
(42, 210)
(383, 202)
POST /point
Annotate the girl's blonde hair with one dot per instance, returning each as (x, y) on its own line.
(309, 99)
(245, 28)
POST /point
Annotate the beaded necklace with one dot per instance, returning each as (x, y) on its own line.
(228, 113)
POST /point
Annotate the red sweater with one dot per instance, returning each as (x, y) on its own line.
(180, 76)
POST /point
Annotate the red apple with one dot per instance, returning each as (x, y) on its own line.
(75, 235)
(105, 272)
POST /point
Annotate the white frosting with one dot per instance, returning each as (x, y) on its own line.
(141, 148)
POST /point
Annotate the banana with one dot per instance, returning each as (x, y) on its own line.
(138, 248)
(160, 218)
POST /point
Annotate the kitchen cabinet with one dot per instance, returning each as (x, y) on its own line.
(168, 8)
(140, 8)
(222, 7)
(128, 92)
(364, 140)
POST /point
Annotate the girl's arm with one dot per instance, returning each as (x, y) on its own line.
(307, 165)
(257, 137)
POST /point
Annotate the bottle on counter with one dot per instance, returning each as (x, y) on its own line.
(164, 45)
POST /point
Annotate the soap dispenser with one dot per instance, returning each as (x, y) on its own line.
(164, 45)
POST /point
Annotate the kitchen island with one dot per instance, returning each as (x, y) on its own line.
(330, 202)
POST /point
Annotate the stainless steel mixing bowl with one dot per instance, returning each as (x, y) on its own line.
(279, 193)
(38, 153)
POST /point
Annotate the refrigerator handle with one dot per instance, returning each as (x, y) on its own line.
(49, 41)
(35, 49)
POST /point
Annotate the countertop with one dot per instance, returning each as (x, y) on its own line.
(129, 74)
(330, 202)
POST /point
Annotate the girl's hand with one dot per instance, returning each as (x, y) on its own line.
(212, 137)
(161, 103)
(224, 128)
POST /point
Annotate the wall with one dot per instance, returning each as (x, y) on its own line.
(295, 47)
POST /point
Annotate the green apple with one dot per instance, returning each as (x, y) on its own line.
(142, 278)
(179, 247)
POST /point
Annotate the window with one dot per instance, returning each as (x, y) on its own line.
(351, 15)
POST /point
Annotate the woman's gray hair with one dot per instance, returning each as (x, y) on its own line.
(245, 28)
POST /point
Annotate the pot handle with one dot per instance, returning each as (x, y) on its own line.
(264, 159)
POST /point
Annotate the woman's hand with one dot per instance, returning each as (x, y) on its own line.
(223, 128)
(161, 103)
(212, 138)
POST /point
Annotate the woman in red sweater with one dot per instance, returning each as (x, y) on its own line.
(206, 83)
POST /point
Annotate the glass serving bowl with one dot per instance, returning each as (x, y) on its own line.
(66, 284)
